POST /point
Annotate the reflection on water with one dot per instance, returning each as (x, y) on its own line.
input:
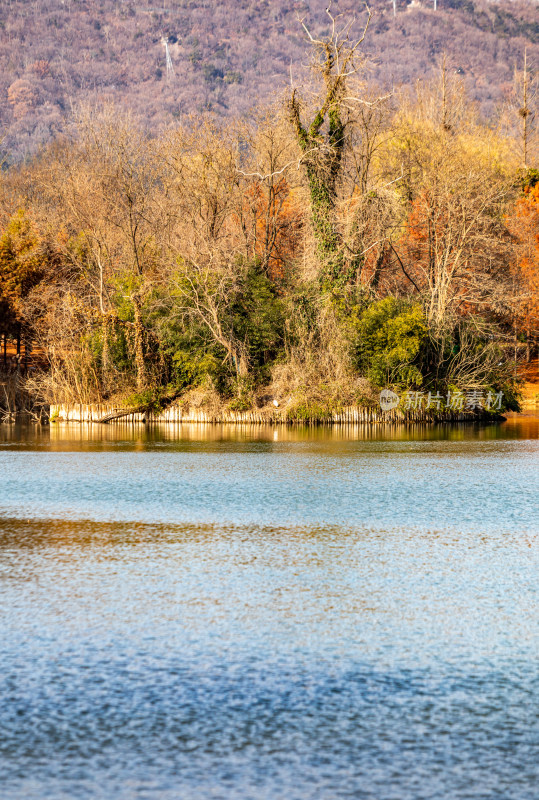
(516, 426)
(269, 613)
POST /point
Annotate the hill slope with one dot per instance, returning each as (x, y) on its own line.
(228, 56)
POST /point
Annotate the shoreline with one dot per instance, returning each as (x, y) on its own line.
(175, 414)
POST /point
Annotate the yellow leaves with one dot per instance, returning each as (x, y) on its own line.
(486, 149)
(22, 259)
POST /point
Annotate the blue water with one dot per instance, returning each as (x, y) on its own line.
(203, 613)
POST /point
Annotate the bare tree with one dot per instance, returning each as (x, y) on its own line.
(454, 250)
(206, 257)
(526, 93)
(271, 212)
(127, 183)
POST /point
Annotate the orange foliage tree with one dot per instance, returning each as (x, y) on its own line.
(277, 217)
(524, 225)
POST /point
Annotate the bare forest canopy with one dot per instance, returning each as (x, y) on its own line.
(228, 56)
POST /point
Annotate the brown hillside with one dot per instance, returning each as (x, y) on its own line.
(228, 56)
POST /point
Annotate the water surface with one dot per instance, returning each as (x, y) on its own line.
(220, 612)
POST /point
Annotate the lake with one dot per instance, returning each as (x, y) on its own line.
(204, 612)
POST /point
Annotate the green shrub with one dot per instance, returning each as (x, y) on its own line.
(151, 398)
(388, 340)
(306, 411)
(257, 318)
(189, 369)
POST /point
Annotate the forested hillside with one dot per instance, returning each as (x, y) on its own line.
(228, 57)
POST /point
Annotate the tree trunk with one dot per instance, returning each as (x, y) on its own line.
(105, 355)
(18, 350)
(140, 364)
(27, 350)
(242, 366)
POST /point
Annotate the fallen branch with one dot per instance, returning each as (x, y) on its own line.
(141, 409)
